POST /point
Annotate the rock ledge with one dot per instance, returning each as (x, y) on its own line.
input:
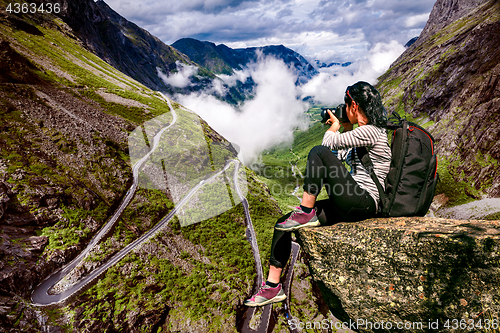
(407, 269)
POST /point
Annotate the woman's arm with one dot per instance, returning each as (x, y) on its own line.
(360, 137)
(335, 123)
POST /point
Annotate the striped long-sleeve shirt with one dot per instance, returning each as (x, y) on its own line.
(375, 140)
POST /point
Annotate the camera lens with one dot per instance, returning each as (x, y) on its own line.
(324, 115)
(339, 112)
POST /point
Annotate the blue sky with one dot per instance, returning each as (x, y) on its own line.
(327, 30)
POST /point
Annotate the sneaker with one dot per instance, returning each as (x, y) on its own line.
(298, 219)
(266, 295)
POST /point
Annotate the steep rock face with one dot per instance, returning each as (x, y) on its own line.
(4, 199)
(446, 12)
(407, 270)
(56, 145)
(449, 80)
(63, 153)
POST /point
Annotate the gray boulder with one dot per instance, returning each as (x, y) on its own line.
(427, 273)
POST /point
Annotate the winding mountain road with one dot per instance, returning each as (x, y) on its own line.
(42, 297)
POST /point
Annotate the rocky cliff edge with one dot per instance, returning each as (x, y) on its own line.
(407, 270)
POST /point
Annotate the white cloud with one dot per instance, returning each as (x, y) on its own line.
(415, 20)
(309, 27)
(277, 108)
(231, 80)
(262, 122)
(180, 79)
(329, 86)
(383, 55)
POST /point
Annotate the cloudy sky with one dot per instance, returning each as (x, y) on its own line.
(369, 33)
(327, 30)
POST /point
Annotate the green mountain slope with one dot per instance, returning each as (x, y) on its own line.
(207, 55)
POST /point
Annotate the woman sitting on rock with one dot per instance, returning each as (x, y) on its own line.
(352, 195)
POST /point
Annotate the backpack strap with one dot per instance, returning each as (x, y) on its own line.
(394, 121)
(368, 164)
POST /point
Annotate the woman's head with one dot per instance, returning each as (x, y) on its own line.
(368, 99)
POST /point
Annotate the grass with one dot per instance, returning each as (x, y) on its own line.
(456, 189)
(492, 217)
(71, 230)
(135, 115)
(147, 207)
(88, 71)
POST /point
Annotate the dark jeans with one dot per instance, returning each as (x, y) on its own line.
(347, 202)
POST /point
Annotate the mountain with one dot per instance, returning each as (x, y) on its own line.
(122, 44)
(324, 65)
(221, 59)
(71, 125)
(448, 81)
(411, 42)
(134, 51)
(69, 121)
(218, 59)
(142, 56)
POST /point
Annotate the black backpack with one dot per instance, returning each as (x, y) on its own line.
(412, 178)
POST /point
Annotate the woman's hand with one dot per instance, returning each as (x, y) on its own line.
(335, 124)
(333, 121)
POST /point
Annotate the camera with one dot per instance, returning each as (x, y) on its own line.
(339, 112)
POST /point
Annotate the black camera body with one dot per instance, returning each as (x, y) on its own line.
(339, 112)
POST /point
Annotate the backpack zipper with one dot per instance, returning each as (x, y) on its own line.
(411, 128)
